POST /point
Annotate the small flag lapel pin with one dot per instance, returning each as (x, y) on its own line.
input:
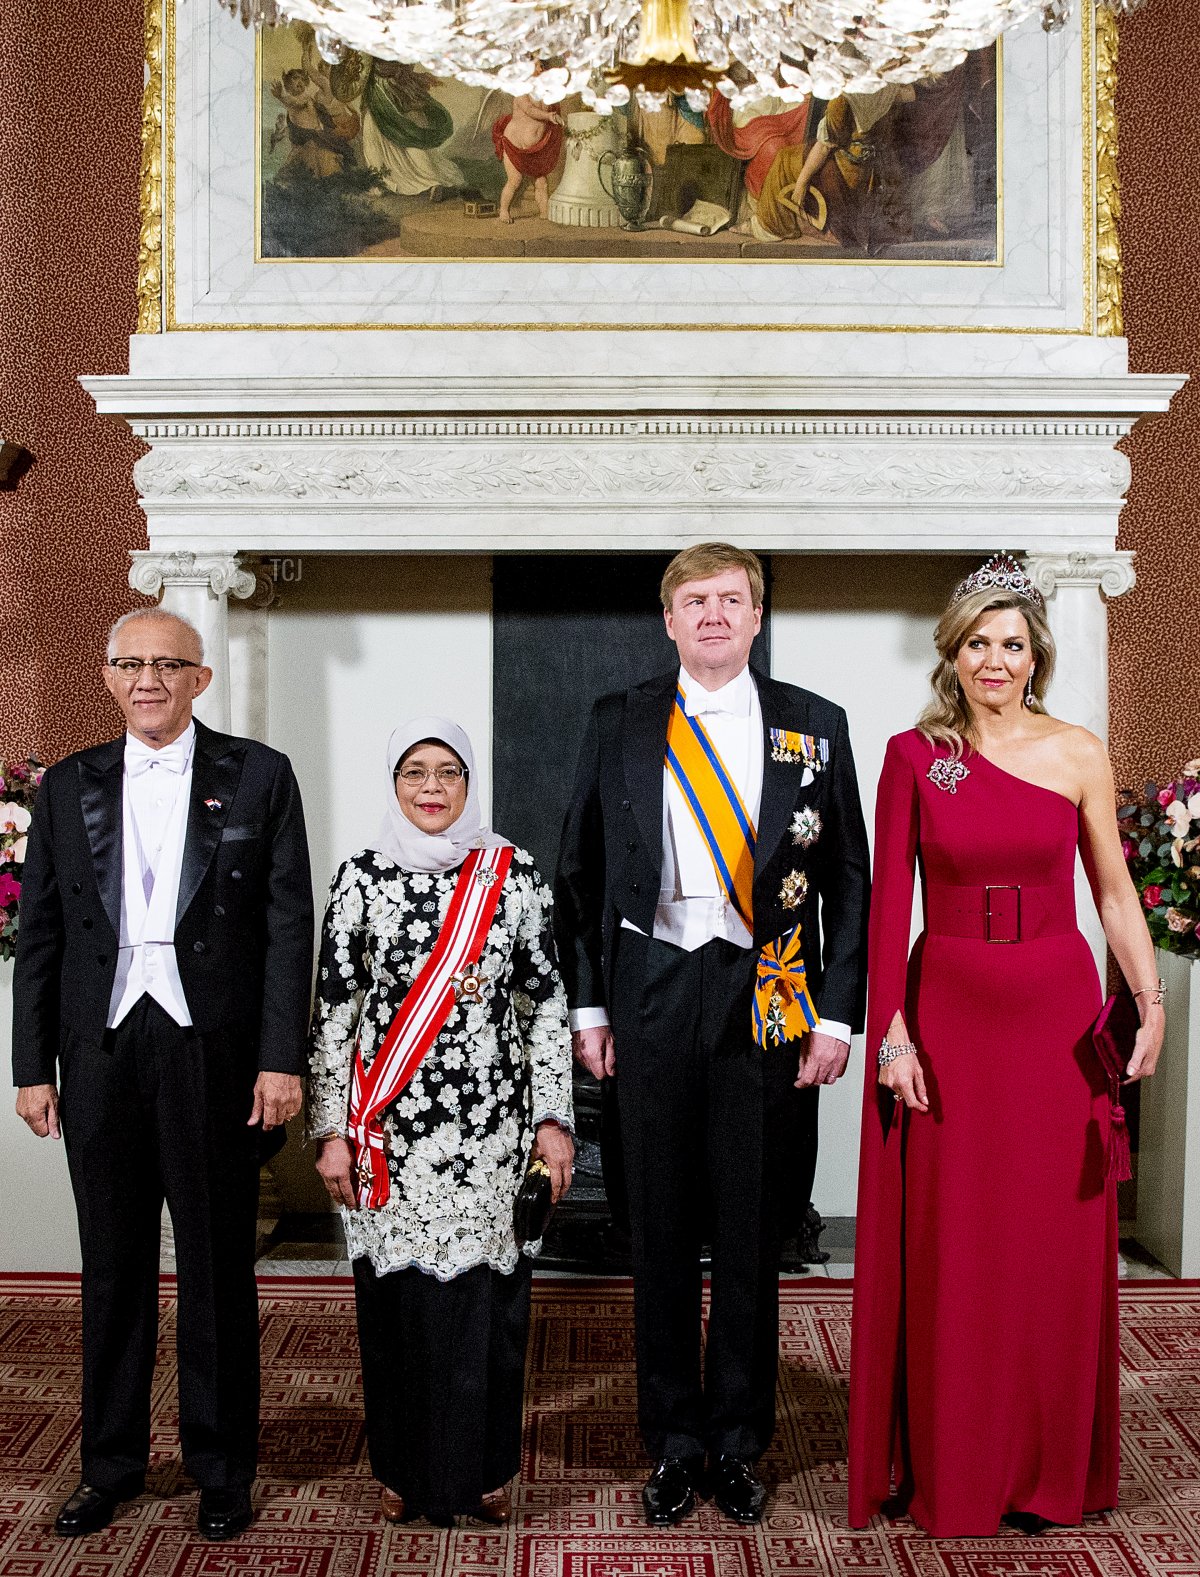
(213, 804)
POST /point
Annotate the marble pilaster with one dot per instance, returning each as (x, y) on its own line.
(198, 586)
(1077, 587)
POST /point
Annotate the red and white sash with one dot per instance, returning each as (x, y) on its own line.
(422, 1014)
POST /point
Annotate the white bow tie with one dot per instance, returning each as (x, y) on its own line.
(140, 758)
(708, 703)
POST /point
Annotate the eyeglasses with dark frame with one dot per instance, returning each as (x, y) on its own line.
(416, 777)
(164, 667)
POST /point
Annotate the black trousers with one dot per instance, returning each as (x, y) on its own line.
(158, 1112)
(443, 1381)
(705, 1120)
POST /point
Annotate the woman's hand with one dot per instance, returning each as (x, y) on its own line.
(335, 1165)
(1147, 1046)
(555, 1146)
(904, 1078)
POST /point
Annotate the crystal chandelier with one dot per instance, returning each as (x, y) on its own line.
(610, 50)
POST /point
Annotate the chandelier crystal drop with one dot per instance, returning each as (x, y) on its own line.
(611, 50)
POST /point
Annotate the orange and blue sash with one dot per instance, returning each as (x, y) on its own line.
(716, 806)
(783, 1009)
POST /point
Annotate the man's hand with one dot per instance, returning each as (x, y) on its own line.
(37, 1105)
(277, 1096)
(593, 1049)
(822, 1061)
(335, 1164)
(556, 1147)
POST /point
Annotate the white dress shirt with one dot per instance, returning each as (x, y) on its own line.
(155, 796)
(692, 905)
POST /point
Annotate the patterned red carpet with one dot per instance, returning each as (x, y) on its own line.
(577, 1503)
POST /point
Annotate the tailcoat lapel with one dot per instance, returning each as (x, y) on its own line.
(216, 770)
(101, 781)
(645, 750)
(781, 779)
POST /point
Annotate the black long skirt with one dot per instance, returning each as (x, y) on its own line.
(443, 1381)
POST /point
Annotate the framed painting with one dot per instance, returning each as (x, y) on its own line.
(366, 194)
(371, 159)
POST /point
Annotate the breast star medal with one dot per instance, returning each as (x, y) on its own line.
(468, 985)
(794, 889)
(806, 826)
(946, 773)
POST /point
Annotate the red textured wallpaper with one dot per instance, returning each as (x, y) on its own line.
(68, 232)
(1155, 630)
(68, 245)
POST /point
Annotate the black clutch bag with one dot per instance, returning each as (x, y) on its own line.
(534, 1203)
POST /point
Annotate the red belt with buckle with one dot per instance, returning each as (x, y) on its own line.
(1001, 912)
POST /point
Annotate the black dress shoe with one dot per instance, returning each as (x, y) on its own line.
(224, 1513)
(670, 1491)
(737, 1489)
(1028, 1523)
(86, 1511)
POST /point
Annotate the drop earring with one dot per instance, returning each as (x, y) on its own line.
(1029, 689)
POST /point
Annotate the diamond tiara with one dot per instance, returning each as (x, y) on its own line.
(1000, 573)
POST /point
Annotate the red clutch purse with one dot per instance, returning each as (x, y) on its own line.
(1113, 1035)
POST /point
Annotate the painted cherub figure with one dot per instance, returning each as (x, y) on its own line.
(528, 143)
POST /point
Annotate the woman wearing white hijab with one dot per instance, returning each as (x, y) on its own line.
(440, 1060)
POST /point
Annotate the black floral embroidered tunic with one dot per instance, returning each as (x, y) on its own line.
(459, 1135)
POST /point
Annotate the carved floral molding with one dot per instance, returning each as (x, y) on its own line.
(599, 472)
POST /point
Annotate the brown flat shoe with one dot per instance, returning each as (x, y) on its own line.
(495, 1507)
(391, 1505)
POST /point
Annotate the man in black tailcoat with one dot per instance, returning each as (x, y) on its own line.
(161, 996)
(661, 945)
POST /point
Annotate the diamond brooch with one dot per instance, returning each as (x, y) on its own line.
(947, 773)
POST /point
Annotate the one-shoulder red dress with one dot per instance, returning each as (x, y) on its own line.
(985, 1344)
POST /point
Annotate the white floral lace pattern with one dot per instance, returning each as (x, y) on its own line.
(460, 1134)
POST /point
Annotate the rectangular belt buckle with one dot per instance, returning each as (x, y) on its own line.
(992, 918)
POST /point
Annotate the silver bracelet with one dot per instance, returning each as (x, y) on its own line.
(889, 1050)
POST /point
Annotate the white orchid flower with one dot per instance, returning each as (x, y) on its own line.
(1179, 816)
(13, 817)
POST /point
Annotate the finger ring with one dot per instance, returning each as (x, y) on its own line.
(897, 1097)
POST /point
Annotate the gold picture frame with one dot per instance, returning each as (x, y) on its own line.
(1100, 186)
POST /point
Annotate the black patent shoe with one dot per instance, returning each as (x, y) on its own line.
(670, 1491)
(87, 1510)
(223, 1513)
(737, 1489)
(1028, 1523)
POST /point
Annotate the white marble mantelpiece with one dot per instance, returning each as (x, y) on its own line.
(380, 442)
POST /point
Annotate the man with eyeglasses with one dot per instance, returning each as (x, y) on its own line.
(161, 996)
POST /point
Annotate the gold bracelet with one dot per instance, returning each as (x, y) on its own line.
(1155, 993)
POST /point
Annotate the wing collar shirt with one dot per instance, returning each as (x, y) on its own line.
(692, 906)
(157, 791)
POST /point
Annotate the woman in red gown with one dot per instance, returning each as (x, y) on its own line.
(984, 1357)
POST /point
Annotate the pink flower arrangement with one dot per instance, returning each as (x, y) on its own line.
(19, 782)
(1160, 839)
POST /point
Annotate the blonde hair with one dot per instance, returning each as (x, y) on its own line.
(947, 719)
(710, 558)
